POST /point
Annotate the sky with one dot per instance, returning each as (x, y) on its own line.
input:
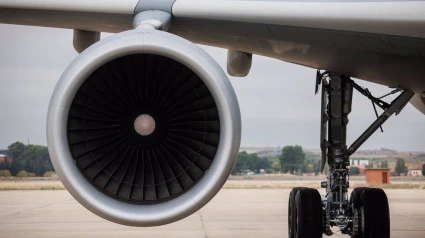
(277, 99)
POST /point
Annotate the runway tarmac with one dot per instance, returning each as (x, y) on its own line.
(232, 213)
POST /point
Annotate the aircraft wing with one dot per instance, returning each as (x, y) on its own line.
(379, 41)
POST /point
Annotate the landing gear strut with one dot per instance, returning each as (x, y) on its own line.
(366, 213)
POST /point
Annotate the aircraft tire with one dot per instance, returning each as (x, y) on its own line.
(355, 200)
(375, 213)
(291, 211)
(308, 214)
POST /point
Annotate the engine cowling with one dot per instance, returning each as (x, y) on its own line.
(143, 128)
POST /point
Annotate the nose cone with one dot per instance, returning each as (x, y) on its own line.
(144, 125)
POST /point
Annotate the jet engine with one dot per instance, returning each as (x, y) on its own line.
(143, 128)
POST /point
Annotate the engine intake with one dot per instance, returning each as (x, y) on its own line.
(180, 140)
(143, 128)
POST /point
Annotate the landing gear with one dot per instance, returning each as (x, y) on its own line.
(366, 213)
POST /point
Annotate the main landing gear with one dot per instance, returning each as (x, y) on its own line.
(366, 213)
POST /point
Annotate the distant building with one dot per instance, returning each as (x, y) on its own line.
(4, 157)
(416, 172)
(359, 162)
(378, 176)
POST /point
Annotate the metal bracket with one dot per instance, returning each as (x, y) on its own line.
(84, 39)
(396, 106)
(160, 5)
(366, 93)
(152, 19)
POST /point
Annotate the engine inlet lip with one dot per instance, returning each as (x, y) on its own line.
(139, 42)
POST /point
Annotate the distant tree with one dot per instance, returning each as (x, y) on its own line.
(423, 169)
(31, 158)
(15, 149)
(36, 159)
(310, 168)
(269, 171)
(5, 164)
(5, 173)
(31, 174)
(22, 174)
(276, 166)
(400, 166)
(354, 171)
(48, 174)
(261, 163)
(312, 165)
(292, 159)
(384, 164)
(250, 162)
(317, 166)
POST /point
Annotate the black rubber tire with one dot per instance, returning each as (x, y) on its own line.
(291, 210)
(355, 200)
(376, 213)
(308, 214)
(355, 196)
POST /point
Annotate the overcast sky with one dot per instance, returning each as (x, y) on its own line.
(277, 99)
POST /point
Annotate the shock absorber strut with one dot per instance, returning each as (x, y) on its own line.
(339, 95)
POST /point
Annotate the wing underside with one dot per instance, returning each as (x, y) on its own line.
(378, 41)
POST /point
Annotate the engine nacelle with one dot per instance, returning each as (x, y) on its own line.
(143, 128)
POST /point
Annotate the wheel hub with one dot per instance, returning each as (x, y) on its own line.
(342, 221)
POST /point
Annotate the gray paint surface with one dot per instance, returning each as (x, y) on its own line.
(387, 60)
(389, 18)
(104, 6)
(160, 5)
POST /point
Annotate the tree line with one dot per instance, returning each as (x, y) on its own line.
(33, 159)
(292, 160)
